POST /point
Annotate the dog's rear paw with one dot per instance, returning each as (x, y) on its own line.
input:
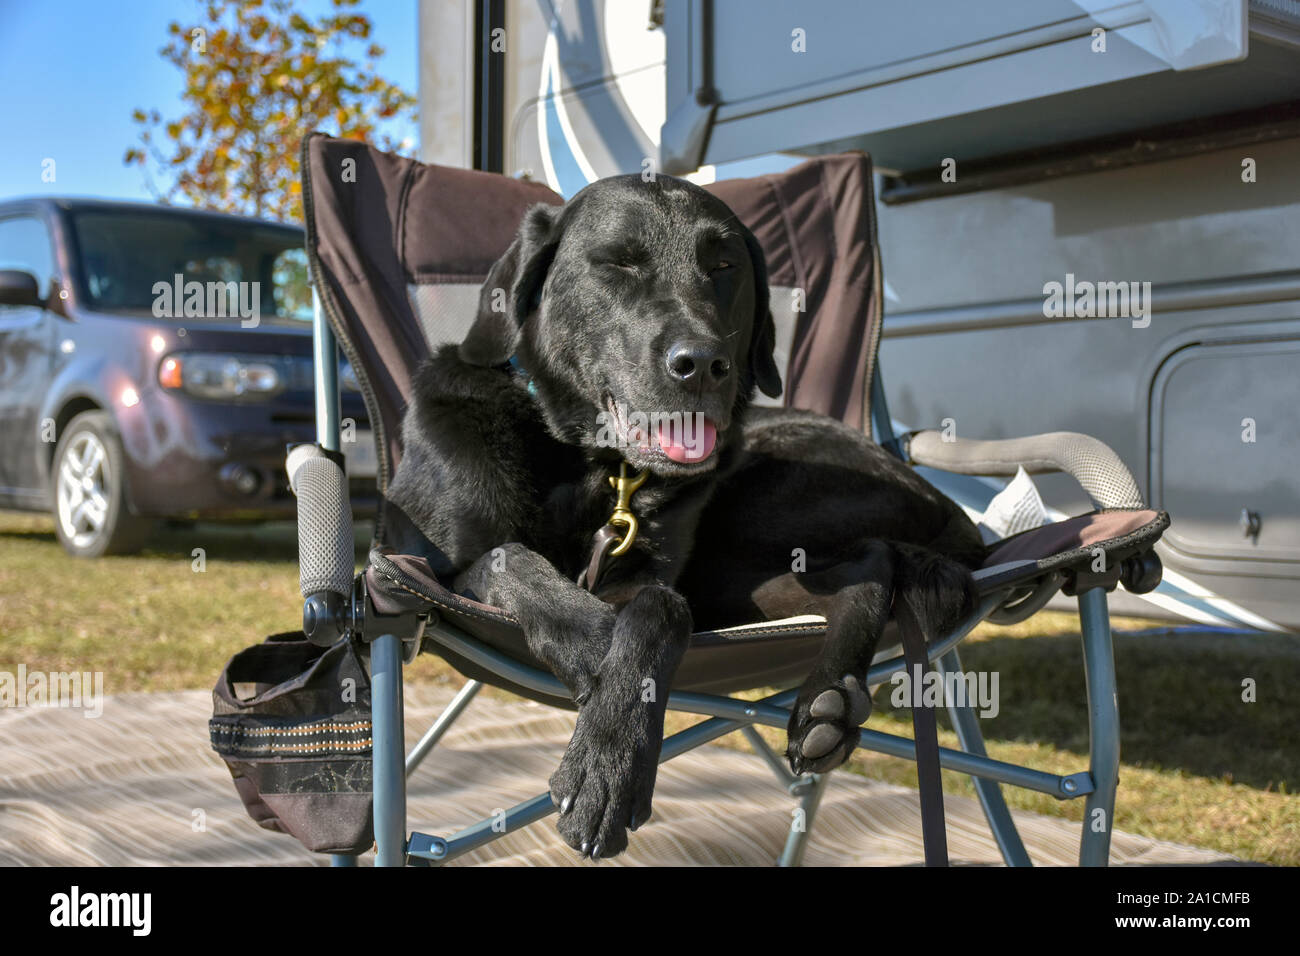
(824, 724)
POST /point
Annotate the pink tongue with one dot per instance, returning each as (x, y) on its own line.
(694, 443)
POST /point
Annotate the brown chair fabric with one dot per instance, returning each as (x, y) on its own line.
(773, 655)
(378, 223)
(816, 224)
(1110, 530)
(717, 662)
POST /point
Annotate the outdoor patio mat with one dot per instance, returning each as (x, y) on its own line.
(140, 786)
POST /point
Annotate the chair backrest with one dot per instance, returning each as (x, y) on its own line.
(398, 250)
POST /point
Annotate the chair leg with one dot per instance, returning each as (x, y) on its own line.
(1103, 727)
(441, 725)
(801, 826)
(770, 756)
(971, 738)
(389, 750)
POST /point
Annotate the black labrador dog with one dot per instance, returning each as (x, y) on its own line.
(627, 331)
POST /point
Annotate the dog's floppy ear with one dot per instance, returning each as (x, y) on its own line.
(513, 289)
(762, 347)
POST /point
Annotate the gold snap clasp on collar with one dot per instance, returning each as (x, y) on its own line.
(623, 517)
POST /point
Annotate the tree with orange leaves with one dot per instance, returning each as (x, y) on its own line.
(258, 77)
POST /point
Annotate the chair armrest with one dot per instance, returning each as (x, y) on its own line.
(325, 545)
(1092, 463)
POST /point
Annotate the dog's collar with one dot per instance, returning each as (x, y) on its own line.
(513, 366)
(608, 543)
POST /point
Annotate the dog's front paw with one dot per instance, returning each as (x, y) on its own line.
(605, 782)
(824, 724)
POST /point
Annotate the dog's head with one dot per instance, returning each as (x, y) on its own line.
(639, 311)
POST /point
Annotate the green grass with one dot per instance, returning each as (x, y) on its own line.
(151, 621)
(1199, 765)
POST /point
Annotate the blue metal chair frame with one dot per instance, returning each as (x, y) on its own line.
(727, 714)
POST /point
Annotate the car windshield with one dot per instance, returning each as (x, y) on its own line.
(177, 266)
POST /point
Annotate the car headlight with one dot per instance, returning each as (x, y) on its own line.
(215, 376)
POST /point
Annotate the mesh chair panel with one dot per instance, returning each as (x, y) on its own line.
(445, 312)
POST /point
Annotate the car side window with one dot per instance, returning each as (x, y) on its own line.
(291, 285)
(25, 245)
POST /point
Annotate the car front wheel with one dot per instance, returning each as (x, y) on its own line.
(90, 513)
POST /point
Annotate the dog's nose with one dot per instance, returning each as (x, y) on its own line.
(692, 361)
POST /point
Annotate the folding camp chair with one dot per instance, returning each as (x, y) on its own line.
(397, 251)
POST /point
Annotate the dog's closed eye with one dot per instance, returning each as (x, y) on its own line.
(630, 261)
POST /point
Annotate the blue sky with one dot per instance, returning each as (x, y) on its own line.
(71, 72)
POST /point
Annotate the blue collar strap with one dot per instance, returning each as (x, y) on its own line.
(518, 369)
